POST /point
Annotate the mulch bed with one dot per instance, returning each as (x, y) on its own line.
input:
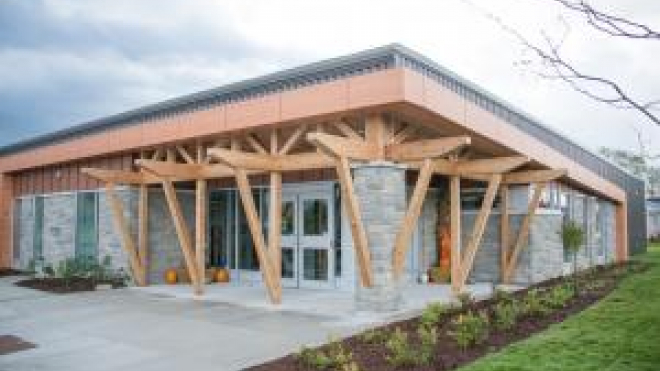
(448, 354)
(60, 286)
(7, 272)
(13, 344)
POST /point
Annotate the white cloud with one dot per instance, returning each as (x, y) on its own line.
(123, 53)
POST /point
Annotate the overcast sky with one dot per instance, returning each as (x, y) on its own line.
(64, 62)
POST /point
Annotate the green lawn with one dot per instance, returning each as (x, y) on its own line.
(622, 332)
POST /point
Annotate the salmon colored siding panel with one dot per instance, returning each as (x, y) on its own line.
(6, 246)
(376, 88)
(314, 100)
(253, 112)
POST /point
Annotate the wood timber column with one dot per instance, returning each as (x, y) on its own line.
(380, 188)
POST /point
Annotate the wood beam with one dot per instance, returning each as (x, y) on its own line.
(275, 212)
(200, 234)
(374, 134)
(293, 139)
(348, 131)
(478, 229)
(423, 149)
(496, 165)
(404, 134)
(355, 218)
(337, 146)
(255, 143)
(272, 285)
(185, 155)
(402, 240)
(122, 227)
(200, 225)
(143, 230)
(183, 234)
(158, 154)
(455, 232)
(523, 234)
(505, 228)
(175, 171)
(621, 229)
(114, 176)
(533, 176)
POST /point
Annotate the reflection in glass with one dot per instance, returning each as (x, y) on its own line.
(288, 218)
(315, 264)
(315, 217)
(288, 262)
(86, 229)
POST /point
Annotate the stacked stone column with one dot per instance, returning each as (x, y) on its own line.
(380, 188)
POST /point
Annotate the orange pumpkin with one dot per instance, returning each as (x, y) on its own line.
(171, 276)
(222, 275)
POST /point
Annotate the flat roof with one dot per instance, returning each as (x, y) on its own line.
(363, 62)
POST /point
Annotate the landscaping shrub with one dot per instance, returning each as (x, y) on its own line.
(558, 296)
(404, 353)
(374, 336)
(500, 295)
(335, 358)
(534, 304)
(466, 299)
(470, 329)
(432, 314)
(505, 315)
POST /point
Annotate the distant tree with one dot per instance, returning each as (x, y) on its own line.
(572, 236)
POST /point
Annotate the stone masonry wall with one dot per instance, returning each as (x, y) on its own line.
(380, 188)
(164, 249)
(25, 231)
(59, 233)
(109, 241)
(540, 260)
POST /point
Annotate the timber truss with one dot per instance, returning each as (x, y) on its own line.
(331, 145)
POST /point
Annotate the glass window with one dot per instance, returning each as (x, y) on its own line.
(37, 241)
(315, 264)
(17, 228)
(222, 229)
(315, 217)
(86, 226)
(288, 262)
(247, 255)
(288, 218)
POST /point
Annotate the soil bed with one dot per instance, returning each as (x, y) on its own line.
(447, 354)
(61, 286)
(12, 344)
(7, 272)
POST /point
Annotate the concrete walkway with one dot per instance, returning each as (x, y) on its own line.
(143, 329)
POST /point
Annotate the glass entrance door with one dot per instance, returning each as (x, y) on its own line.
(315, 257)
(289, 241)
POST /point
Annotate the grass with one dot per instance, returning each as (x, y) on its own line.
(622, 332)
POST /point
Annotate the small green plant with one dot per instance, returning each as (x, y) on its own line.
(465, 298)
(572, 236)
(374, 336)
(558, 296)
(500, 295)
(402, 353)
(432, 314)
(470, 329)
(505, 315)
(336, 357)
(428, 338)
(534, 304)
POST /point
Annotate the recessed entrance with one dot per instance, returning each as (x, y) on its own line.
(308, 217)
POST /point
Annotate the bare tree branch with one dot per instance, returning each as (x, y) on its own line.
(611, 24)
